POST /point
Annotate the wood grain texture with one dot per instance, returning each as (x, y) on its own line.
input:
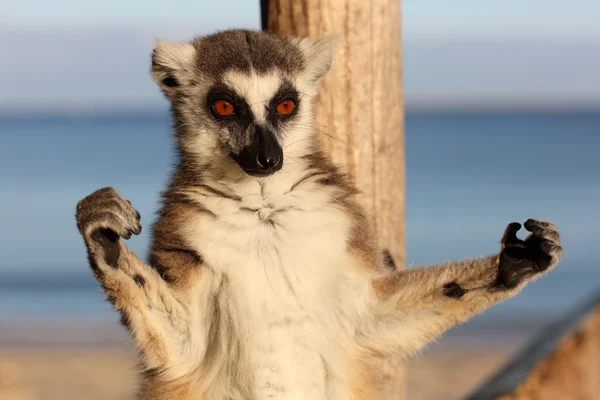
(561, 363)
(571, 372)
(360, 113)
(360, 109)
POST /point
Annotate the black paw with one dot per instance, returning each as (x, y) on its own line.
(103, 217)
(522, 259)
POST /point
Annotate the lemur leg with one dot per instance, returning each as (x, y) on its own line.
(154, 314)
(415, 306)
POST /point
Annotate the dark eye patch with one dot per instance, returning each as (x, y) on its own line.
(242, 112)
(286, 91)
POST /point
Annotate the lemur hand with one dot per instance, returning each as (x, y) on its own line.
(523, 259)
(103, 217)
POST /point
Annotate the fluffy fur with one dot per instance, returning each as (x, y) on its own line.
(273, 287)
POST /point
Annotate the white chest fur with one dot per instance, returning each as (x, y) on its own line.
(284, 257)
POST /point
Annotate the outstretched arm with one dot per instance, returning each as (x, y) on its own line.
(156, 315)
(414, 306)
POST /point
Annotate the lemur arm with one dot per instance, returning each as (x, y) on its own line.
(414, 306)
(156, 315)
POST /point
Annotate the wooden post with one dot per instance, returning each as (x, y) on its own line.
(360, 107)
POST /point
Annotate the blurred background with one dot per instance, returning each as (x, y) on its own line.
(502, 124)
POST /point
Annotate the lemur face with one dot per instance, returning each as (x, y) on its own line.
(242, 99)
(252, 114)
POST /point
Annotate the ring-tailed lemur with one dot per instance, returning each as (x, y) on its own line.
(264, 279)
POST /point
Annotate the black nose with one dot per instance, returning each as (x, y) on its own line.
(268, 161)
(263, 157)
(269, 155)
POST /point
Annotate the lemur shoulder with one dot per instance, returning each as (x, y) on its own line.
(264, 279)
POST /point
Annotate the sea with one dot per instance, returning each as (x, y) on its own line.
(468, 174)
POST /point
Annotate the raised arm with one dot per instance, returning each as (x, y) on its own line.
(156, 314)
(414, 306)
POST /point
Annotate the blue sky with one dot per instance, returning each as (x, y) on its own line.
(75, 54)
(546, 18)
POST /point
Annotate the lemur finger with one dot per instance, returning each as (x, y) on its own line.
(98, 195)
(113, 206)
(541, 222)
(133, 223)
(132, 215)
(95, 202)
(137, 230)
(108, 221)
(124, 211)
(510, 234)
(129, 215)
(104, 196)
(108, 200)
(551, 248)
(544, 254)
(86, 214)
(132, 218)
(136, 215)
(542, 229)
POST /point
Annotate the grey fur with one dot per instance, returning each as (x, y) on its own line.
(246, 50)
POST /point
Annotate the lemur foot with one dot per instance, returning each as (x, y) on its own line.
(523, 259)
(103, 217)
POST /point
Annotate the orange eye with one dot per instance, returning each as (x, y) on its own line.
(223, 108)
(286, 107)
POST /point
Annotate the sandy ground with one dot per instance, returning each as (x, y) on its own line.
(90, 359)
(108, 373)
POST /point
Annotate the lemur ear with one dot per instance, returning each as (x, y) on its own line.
(172, 63)
(318, 54)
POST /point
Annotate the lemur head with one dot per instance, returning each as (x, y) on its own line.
(240, 98)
